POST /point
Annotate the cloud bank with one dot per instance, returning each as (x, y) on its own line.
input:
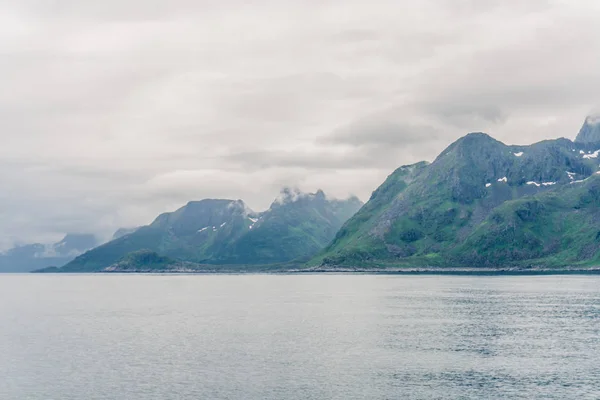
(112, 112)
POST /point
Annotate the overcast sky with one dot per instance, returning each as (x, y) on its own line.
(114, 111)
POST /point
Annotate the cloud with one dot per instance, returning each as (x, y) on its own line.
(115, 111)
(382, 131)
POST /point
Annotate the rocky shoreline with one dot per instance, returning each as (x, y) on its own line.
(357, 270)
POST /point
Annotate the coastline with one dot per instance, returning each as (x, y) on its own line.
(351, 271)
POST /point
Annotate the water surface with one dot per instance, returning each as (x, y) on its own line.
(299, 337)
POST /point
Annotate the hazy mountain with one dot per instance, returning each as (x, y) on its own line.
(481, 203)
(590, 131)
(228, 232)
(29, 257)
(123, 231)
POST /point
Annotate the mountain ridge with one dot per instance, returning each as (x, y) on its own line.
(28, 257)
(222, 231)
(480, 205)
(459, 210)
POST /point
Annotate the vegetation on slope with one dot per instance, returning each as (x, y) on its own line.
(480, 204)
(226, 232)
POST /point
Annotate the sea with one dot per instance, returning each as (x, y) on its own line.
(321, 336)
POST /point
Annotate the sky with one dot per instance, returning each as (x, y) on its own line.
(112, 112)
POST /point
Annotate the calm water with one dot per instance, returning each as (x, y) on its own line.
(298, 337)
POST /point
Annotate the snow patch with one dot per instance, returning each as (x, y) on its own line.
(571, 175)
(254, 221)
(203, 229)
(505, 179)
(488, 185)
(581, 152)
(519, 154)
(583, 180)
(541, 184)
(223, 224)
(592, 155)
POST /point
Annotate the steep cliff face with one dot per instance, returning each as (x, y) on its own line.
(590, 131)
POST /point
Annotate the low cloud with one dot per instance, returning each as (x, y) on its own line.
(115, 111)
(383, 132)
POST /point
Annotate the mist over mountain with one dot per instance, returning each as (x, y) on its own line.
(28, 257)
(122, 232)
(590, 131)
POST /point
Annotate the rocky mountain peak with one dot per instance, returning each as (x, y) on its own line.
(590, 131)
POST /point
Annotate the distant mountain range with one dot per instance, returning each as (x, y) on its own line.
(480, 204)
(227, 232)
(28, 257)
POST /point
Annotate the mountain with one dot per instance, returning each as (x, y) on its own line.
(217, 232)
(296, 225)
(481, 203)
(123, 231)
(29, 257)
(74, 244)
(196, 232)
(590, 131)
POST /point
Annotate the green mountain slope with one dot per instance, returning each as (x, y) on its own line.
(480, 203)
(227, 232)
(194, 232)
(554, 229)
(296, 226)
